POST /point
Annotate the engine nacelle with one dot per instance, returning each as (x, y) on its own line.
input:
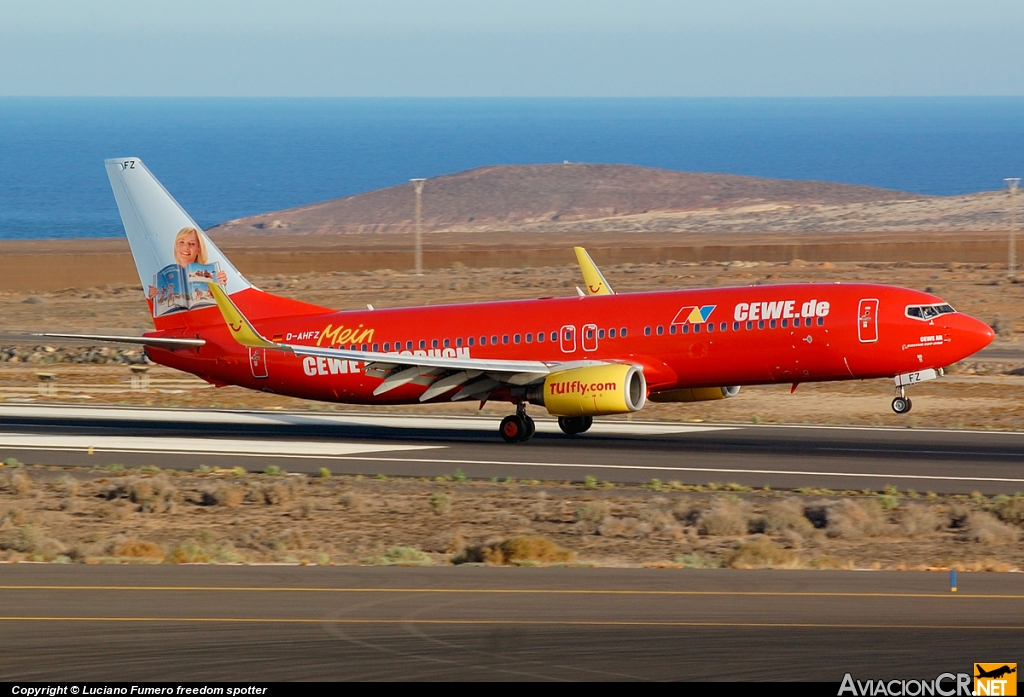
(695, 394)
(592, 391)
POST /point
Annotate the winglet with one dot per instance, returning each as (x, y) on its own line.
(241, 331)
(592, 276)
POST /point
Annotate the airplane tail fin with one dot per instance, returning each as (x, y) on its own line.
(176, 260)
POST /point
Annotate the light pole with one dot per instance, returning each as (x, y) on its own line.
(1011, 265)
(418, 184)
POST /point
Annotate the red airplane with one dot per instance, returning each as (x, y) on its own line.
(596, 354)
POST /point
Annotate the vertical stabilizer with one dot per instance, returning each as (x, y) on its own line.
(174, 257)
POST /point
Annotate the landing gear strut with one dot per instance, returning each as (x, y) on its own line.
(901, 404)
(572, 425)
(518, 427)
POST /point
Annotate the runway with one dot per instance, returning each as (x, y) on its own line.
(618, 451)
(81, 623)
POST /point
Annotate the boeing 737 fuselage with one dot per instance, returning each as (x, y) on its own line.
(578, 357)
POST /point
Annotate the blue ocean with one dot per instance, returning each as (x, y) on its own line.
(227, 158)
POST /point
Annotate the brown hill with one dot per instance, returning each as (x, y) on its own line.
(480, 198)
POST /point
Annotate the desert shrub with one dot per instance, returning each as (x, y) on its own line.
(696, 560)
(140, 549)
(402, 556)
(920, 520)
(850, 519)
(352, 501)
(32, 540)
(441, 503)
(618, 527)
(786, 515)
(958, 515)
(17, 482)
(188, 553)
(223, 495)
(525, 551)
(141, 490)
(1009, 510)
(274, 471)
(324, 473)
(276, 494)
(593, 511)
(984, 528)
(761, 553)
(686, 512)
(723, 517)
(68, 486)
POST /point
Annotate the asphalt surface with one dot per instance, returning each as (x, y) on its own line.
(81, 623)
(755, 455)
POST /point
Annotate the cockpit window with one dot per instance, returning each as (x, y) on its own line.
(927, 312)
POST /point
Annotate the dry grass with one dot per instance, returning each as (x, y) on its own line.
(226, 517)
(519, 551)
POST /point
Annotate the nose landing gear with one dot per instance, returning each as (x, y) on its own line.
(901, 404)
(517, 427)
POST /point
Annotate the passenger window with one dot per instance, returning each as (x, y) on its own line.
(696, 329)
(529, 338)
(760, 324)
(364, 347)
(376, 348)
(423, 343)
(672, 329)
(647, 331)
(785, 323)
(590, 333)
(483, 341)
(686, 329)
(771, 324)
(447, 343)
(517, 337)
(469, 341)
(458, 342)
(540, 337)
(724, 326)
(611, 333)
(821, 321)
(750, 325)
(554, 336)
(504, 339)
(494, 340)
(711, 326)
(735, 326)
(433, 343)
(622, 332)
(661, 330)
(600, 333)
(408, 346)
(387, 346)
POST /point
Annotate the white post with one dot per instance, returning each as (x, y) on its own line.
(418, 184)
(1011, 264)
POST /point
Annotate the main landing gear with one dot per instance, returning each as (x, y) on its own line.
(518, 427)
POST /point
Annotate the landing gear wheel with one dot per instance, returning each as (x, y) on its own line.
(901, 405)
(531, 427)
(572, 425)
(514, 428)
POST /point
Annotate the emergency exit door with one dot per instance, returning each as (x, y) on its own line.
(867, 321)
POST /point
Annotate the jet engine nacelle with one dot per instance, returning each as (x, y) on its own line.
(695, 394)
(592, 391)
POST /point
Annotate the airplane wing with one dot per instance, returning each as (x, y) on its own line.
(476, 377)
(592, 276)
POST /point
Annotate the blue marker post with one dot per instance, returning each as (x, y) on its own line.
(952, 580)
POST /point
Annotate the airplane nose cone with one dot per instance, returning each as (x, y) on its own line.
(973, 335)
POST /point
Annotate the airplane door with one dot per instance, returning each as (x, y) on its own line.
(568, 338)
(589, 337)
(258, 362)
(867, 321)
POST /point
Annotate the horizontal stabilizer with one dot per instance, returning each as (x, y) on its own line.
(140, 340)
